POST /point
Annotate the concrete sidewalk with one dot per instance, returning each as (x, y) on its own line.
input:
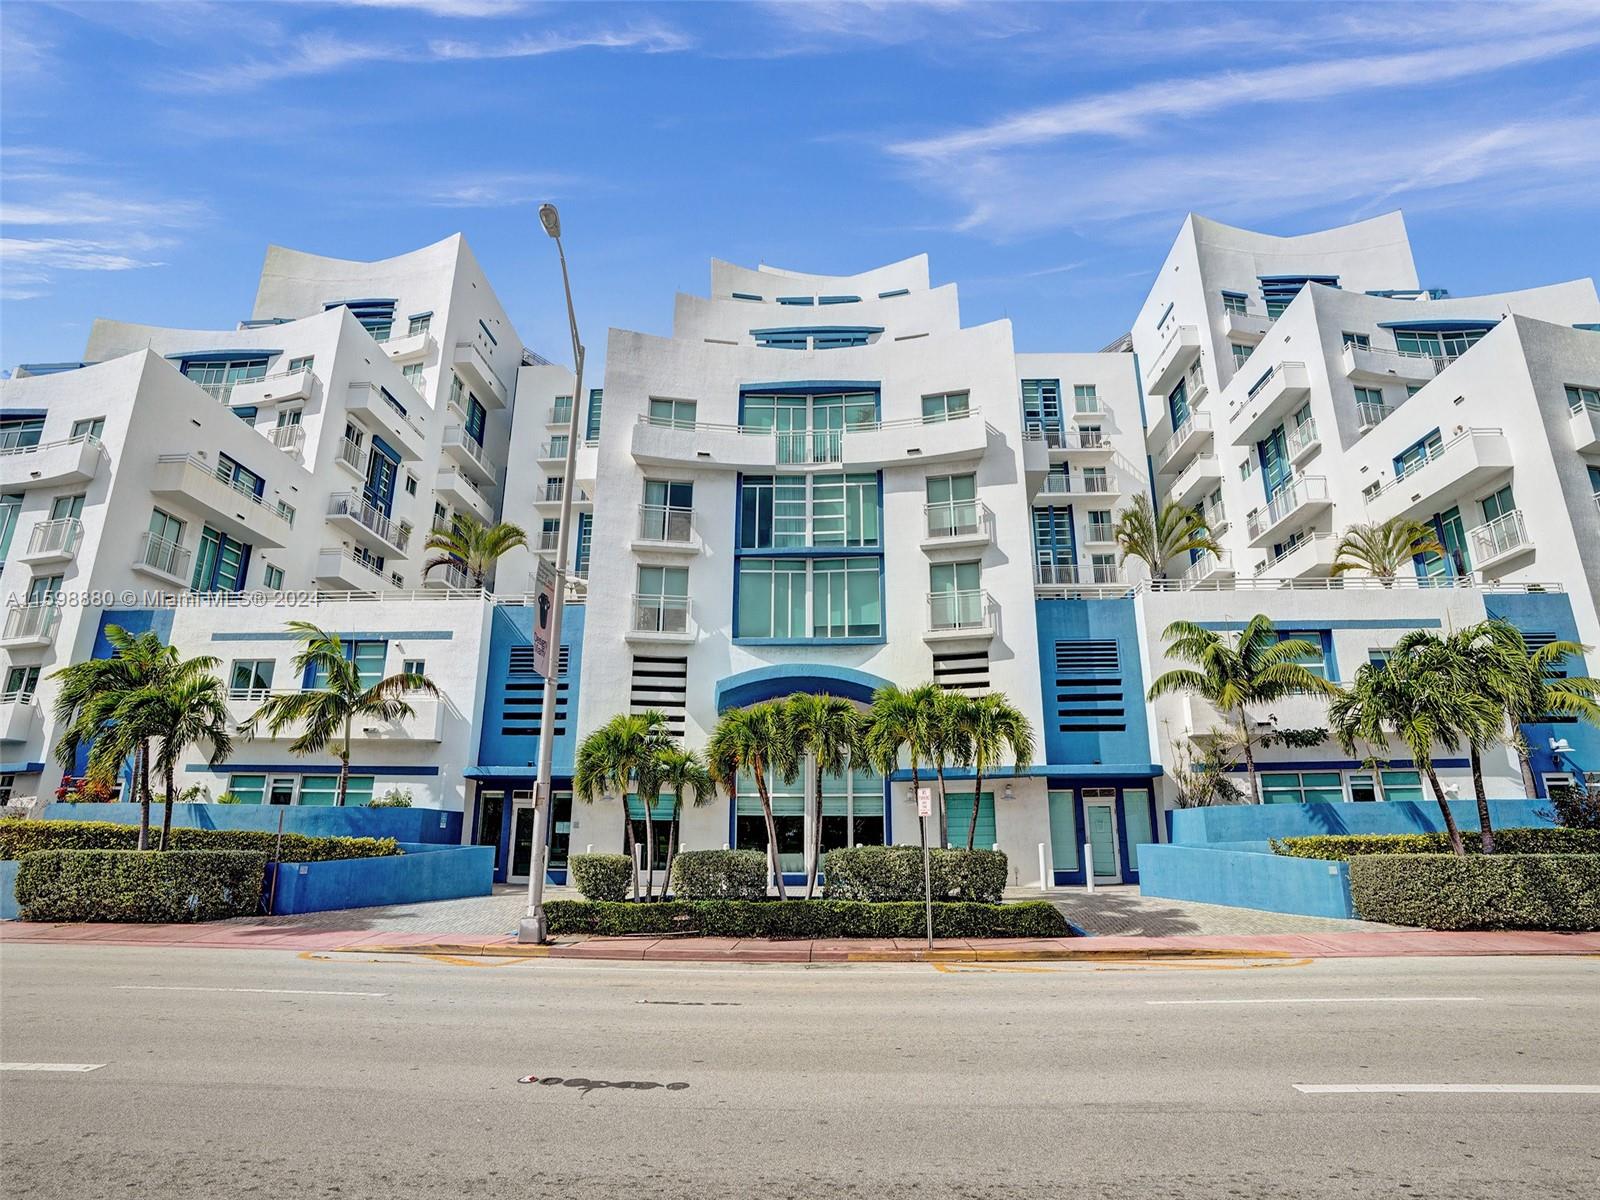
(280, 936)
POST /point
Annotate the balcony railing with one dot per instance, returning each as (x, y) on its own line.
(1497, 538)
(559, 414)
(359, 509)
(31, 622)
(549, 539)
(1046, 574)
(353, 454)
(58, 538)
(1465, 438)
(1195, 427)
(555, 448)
(967, 608)
(1304, 489)
(956, 518)
(291, 439)
(1056, 483)
(1302, 439)
(1370, 413)
(1098, 485)
(457, 435)
(802, 447)
(664, 523)
(661, 614)
(167, 558)
(1056, 438)
(1321, 544)
(1207, 565)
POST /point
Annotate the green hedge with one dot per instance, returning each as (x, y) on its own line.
(1490, 891)
(601, 876)
(1341, 846)
(808, 919)
(20, 837)
(881, 873)
(149, 886)
(720, 875)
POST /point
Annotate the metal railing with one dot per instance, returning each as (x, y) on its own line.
(1302, 489)
(1498, 537)
(364, 513)
(55, 537)
(353, 454)
(1584, 404)
(330, 555)
(1077, 575)
(1465, 437)
(966, 608)
(803, 446)
(159, 554)
(660, 614)
(457, 435)
(1316, 540)
(1098, 485)
(1056, 483)
(549, 539)
(1195, 426)
(273, 378)
(223, 474)
(1273, 372)
(1370, 413)
(291, 439)
(10, 444)
(448, 575)
(389, 402)
(484, 368)
(19, 696)
(555, 448)
(956, 518)
(1207, 565)
(665, 523)
(1302, 438)
(31, 621)
(1100, 533)
(559, 414)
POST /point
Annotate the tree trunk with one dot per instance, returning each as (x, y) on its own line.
(1485, 830)
(649, 851)
(1249, 756)
(344, 767)
(816, 839)
(672, 844)
(944, 817)
(772, 833)
(972, 821)
(172, 793)
(1456, 844)
(629, 846)
(143, 755)
(1524, 760)
(1377, 779)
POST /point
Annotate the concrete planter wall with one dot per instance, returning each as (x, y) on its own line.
(430, 825)
(422, 873)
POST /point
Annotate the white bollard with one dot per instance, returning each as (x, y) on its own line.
(1088, 868)
(589, 849)
(1044, 874)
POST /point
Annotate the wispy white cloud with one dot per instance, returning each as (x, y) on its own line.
(469, 9)
(494, 191)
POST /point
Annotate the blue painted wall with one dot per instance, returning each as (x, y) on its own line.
(135, 621)
(1256, 823)
(428, 825)
(1549, 612)
(8, 890)
(1307, 886)
(1062, 620)
(424, 872)
(512, 626)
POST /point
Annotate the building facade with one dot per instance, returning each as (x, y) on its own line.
(815, 483)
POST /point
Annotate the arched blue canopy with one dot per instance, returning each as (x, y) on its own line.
(768, 683)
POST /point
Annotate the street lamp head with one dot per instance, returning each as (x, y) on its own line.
(550, 219)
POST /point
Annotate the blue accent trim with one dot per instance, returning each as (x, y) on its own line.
(796, 300)
(838, 299)
(1349, 764)
(24, 414)
(1354, 623)
(294, 768)
(816, 329)
(328, 304)
(21, 767)
(1165, 313)
(420, 315)
(766, 683)
(746, 296)
(806, 387)
(52, 368)
(362, 635)
(494, 341)
(892, 294)
(237, 354)
(1453, 326)
(383, 447)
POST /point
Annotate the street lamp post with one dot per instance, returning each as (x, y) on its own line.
(534, 927)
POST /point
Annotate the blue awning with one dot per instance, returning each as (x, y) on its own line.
(24, 767)
(237, 354)
(1132, 770)
(1454, 326)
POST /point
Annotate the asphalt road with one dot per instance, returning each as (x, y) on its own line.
(356, 1077)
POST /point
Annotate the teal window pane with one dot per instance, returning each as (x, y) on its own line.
(319, 791)
(1064, 839)
(1136, 822)
(358, 791)
(249, 788)
(958, 810)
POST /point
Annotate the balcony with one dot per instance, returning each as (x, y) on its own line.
(291, 439)
(448, 578)
(553, 452)
(384, 416)
(53, 542)
(1098, 489)
(343, 570)
(191, 482)
(1585, 423)
(866, 445)
(352, 456)
(1209, 568)
(661, 619)
(1302, 497)
(20, 719)
(1052, 487)
(1309, 558)
(662, 529)
(1302, 442)
(461, 448)
(1091, 444)
(1248, 326)
(957, 525)
(412, 347)
(1368, 364)
(558, 415)
(470, 363)
(967, 614)
(70, 462)
(1186, 441)
(1466, 462)
(1270, 399)
(30, 626)
(354, 514)
(1172, 360)
(1370, 414)
(164, 560)
(1070, 580)
(457, 489)
(1497, 542)
(426, 724)
(1200, 478)
(267, 390)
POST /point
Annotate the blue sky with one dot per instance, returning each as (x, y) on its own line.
(1043, 155)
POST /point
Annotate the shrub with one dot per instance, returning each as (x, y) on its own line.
(25, 836)
(1338, 847)
(139, 886)
(227, 798)
(882, 873)
(393, 798)
(85, 791)
(601, 876)
(808, 919)
(1575, 809)
(1490, 891)
(720, 875)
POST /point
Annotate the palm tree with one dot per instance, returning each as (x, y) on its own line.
(897, 722)
(329, 710)
(1537, 688)
(91, 691)
(1157, 536)
(1383, 549)
(1232, 674)
(1412, 698)
(997, 730)
(827, 728)
(683, 773)
(472, 546)
(752, 739)
(620, 757)
(949, 741)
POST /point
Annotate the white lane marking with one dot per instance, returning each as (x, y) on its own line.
(51, 1066)
(150, 987)
(1333, 1000)
(1577, 1089)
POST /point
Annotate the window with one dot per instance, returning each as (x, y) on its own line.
(1235, 302)
(1412, 389)
(412, 373)
(952, 505)
(852, 808)
(217, 376)
(1361, 341)
(165, 528)
(1498, 505)
(21, 683)
(676, 414)
(250, 679)
(954, 594)
(64, 508)
(1397, 785)
(591, 431)
(368, 655)
(561, 411)
(1099, 526)
(323, 791)
(822, 338)
(776, 514)
(376, 316)
(585, 542)
(8, 784)
(745, 296)
(661, 599)
(91, 427)
(10, 514)
(844, 596)
(272, 578)
(414, 666)
(1418, 454)
(1316, 663)
(1096, 482)
(1041, 405)
(557, 447)
(958, 810)
(1301, 787)
(220, 564)
(1084, 398)
(419, 324)
(42, 588)
(238, 476)
(667, 511)
(458, 391)
(286, 511)
(805, 301)
(303, 363)
(788, 802)
(17, 433)
(411, 484)
(1240, 353)
(554, 486)
(250, 789)
(772, 598)
(1444, 346)
(1583, 397)
(946, 406)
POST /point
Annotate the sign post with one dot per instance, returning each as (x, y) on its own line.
(924, 811)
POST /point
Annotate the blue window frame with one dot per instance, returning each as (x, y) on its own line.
(220, 562)
(745, 296)
(1054, 544)
(1041, 405)
(368, 654)
(18, 432)
(1423, 450)
(592, 425)
(1273, 453)
(804, 301)
(376, 315)
(818, 337)
(476, 416)
(1178, 403)
(1279, 290)
(383, 465)
(838, 299)
(233, 472)
(580, 561)
(890, 295)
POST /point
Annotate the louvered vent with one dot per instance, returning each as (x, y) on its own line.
(1088, 689)
(968, 673)
(661, 684)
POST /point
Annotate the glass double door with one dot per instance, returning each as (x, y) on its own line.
(491, 821)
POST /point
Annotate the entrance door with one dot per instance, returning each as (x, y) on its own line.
(1100, 819)
(521, 836)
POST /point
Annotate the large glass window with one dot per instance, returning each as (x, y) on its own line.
(321, 791)
(218, 376)
(1429, 344)
(220, 563)
(845, 598)
(788, 812)
(1499, 504)
(1041, 405)
(788, 512)
(772, 512)
(954, 595)
(251, 678)
(946, 406)
(1301, 787)
(677, 414)
(772, 598)
(952, 505)
(1397, 785)
(852, 809)
(843, 594)
(661, 599)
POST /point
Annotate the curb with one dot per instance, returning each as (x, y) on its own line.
(572, 952)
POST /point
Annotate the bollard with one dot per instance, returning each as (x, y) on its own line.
(1088, 867)
(1044, 874)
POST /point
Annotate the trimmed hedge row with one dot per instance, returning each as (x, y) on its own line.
(22, 837)
(807, 919)
(1490, 891)
(1341, 846)
(601, 877)
(140, 886)
(720, 875)
(883, 873)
